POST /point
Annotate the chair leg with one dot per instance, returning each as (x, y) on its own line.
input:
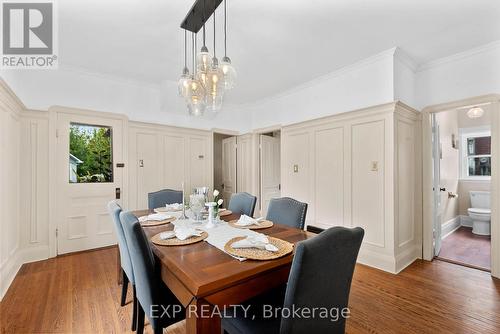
(140, 319)
(124, 288)
(157, 330)
(134, 309)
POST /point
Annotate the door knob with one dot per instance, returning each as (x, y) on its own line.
(442, 189)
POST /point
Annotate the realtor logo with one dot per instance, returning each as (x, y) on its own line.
(28, 35)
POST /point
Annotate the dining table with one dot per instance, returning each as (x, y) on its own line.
(207, 280)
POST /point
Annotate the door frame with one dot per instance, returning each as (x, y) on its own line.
(428, 205)
(53, 112)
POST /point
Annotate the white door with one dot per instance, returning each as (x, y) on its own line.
(436, 160)
(87, 179)
(228, 168)
(270, 165)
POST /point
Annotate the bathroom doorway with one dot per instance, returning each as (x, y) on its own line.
(461, 175)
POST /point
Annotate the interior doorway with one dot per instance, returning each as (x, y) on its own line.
(463, 162)
(225, 162)
(270, 168)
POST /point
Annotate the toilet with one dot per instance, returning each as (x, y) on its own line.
(480, 212)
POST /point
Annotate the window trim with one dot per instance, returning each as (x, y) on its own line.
(464, 134)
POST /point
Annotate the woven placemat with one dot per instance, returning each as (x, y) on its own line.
(150, 223)
(225, 213)
(284, 248)
(262, 224)
(176, 242)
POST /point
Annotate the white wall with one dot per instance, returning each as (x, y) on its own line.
(139, 101)
(472, 73)
(363, 84)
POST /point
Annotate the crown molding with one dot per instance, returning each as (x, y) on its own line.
(405, 59)
(318, 80)
(110, 77)
(459, 56)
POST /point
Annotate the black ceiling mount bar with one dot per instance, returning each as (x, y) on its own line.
(195, 18)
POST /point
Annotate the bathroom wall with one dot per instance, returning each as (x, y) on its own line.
(448, 126)
(465, 186)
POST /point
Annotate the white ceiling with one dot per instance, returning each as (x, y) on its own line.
(274, 45)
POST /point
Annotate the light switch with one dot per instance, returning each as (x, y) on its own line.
(141, 163)
(295, 168)
(374, 165)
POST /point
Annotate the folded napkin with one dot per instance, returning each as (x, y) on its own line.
(259, 241)
(247, 221)
(174, 206)
(155, 217)
(181, 233)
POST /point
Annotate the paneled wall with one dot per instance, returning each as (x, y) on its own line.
(23, 186)
(360, 168)
(164, 157)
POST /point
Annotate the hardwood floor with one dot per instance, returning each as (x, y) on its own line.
(465, 247)
(78, 293)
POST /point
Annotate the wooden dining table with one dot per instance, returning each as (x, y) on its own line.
(206, 279)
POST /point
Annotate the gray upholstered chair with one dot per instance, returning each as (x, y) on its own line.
(287, 211)
(242, 203)
(127, 273)
(163, 197)
(320, 276)
(152, 295)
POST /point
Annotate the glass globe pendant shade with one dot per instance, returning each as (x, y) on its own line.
(195, 97)
(215, 86)
(203, 60)
(229, 73)
(183, 83)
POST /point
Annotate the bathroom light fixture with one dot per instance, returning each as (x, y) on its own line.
(205, 87)
(475, 112)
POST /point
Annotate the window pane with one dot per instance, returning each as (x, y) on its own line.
(479, 146)
(480, 166)
(90, 154)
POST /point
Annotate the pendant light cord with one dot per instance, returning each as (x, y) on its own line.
(225, 29)
(204, 13)
(185, 48)
(214, 31)
(193, 48)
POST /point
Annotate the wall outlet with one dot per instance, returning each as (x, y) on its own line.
(374, 166)
(295, 168)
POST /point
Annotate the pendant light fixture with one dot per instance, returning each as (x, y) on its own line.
(203, 58)
(228, 70)
(195, 96)
(184, 80)
(205, 87)
(215, 85)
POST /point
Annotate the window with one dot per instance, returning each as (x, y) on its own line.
(90, 154)
(475, 154)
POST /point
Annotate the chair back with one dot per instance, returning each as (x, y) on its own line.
(242, 203)
(143, 262)
(287, 211)
(163, 197)
(114, 211)
(321, 276)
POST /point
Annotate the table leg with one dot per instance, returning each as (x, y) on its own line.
(199, 318)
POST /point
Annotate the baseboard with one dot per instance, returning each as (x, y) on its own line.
(11, 267)
(450, 226)
(377, 260)
(407, 257)
(465, 221)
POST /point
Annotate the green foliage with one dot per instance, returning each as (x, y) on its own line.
(92, 145)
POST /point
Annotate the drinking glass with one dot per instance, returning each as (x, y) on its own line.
(197, 204)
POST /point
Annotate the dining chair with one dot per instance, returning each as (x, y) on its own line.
(320, 277)
(126, 264)
(153, 296)
(287, 211)
(242, 203)
(163, 197)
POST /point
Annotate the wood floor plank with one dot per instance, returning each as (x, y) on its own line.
(78, 293)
